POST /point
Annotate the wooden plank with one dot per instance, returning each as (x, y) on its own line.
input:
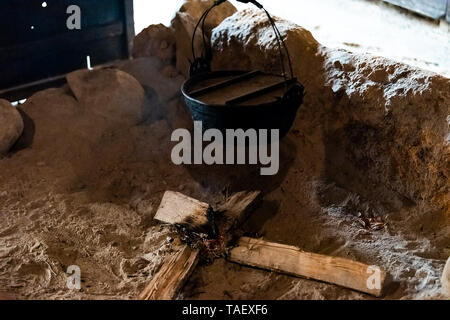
(178, 209)
(292, 261)
(172, 276)
(64, 57)
(258, 92)
(129, 26)
(17, 17)
(435, 9)
(61, 42)
(237, 208)
(225, 83)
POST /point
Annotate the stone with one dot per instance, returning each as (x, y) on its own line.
(196, 8)
(155, 41)
(111, 93)
(445, 280)
(153, 73)
(184, 25)
(162, 84)
(11, 126)
(246, 40)
(56, 124)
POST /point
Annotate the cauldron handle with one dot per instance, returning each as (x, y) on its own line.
(203, 64)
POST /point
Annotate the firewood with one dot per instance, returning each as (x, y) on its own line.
(445, 280)
(293, 261)
(237, 208)
(166, 284)
(178, 209)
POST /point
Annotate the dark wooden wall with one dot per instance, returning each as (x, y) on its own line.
(36, 45)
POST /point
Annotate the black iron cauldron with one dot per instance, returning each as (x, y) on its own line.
(242, 99)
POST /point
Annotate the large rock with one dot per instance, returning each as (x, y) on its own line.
(58, 124)
(153, 73)
(196, 8)
(69, 122)
(445, 280)
(111, 93)
(162, 84)
(155, 41)
(383, 123)
(246, 40)
(184, 23)
(11, 126)
(173, 45)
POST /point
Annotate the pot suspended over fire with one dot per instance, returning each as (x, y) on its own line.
(242, 99)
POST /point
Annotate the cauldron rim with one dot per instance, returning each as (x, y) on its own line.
(222, 73)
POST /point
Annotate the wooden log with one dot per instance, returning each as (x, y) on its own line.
(292, 261)
(237, 208)
(178, 209)
(172, 276)
(445, 280)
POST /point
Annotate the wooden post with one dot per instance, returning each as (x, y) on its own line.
(292, 261)
(129, 26)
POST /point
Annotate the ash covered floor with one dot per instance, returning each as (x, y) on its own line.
(84, 180)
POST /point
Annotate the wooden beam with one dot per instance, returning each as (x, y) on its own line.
(129, 26)
(57, 42)
(258, 92)
(236, 209)
(172, 276)
(178, 209)
(225, 83)
(292, 261)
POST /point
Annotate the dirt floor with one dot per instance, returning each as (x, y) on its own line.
(82, 184)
